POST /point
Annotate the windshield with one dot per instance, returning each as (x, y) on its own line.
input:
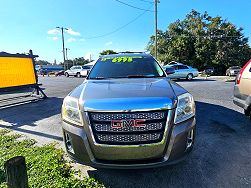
(235, 67)
(126, 67)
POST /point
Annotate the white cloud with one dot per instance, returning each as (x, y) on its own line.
(53, 32)
(71, 39)
(71, 32)
(54, 38)
(108, 43)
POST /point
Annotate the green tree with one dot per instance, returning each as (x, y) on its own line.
(107, 52)
(69, 63)
(80, 61)
(201, 40)
(76, 61)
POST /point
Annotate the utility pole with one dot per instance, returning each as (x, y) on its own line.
(67, 53)
(62, 32)
(156, 26)
(90, 57)
(66, 49)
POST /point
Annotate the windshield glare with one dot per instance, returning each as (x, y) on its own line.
(126, 67)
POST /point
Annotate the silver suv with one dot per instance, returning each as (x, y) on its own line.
(128, 114)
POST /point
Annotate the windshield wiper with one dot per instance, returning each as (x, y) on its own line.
(97, 78)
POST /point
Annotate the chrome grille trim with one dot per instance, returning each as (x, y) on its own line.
(129, 138)
(108, 128)
(118, 116)
(104, 133)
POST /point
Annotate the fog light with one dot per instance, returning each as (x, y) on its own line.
(190, 138)
(68, 143)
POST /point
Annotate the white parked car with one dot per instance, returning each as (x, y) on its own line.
(74, 71)
(78, 70)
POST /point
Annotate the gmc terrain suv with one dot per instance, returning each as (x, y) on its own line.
(128, 114)
(242, 89)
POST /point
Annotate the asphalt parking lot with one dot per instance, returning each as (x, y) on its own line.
(221, 156)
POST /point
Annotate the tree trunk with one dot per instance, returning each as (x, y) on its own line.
(16, 172)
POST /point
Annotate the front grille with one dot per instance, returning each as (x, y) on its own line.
(128, 133)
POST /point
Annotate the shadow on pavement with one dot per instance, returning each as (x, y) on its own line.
(15, 90)
(28, 114)
(221, 156)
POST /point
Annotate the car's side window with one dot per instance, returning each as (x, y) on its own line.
(182, 67)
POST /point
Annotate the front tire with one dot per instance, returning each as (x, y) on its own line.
(78, 75)
(66, 74)
(247, 113)
(190, 76)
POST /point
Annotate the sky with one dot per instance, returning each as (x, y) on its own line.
(96, 25)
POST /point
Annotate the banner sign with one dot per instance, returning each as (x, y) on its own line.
(16, 70)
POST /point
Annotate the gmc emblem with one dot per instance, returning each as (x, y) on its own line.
(128, 123)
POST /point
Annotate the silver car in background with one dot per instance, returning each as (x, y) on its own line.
(182, 71)
(233, 71)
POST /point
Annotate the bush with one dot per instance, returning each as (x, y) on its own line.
(46, 165)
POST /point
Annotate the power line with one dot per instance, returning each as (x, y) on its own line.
(146, 1)
(119, 28)
(133, 6)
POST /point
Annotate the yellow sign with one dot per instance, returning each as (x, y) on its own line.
(15, 71)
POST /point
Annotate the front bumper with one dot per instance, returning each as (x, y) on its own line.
(175, 148)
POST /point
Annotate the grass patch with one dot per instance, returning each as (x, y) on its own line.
(46, 165)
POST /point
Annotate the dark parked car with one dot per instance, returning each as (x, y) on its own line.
(209, 71)
(60, 73)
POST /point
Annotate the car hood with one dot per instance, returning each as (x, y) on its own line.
(127, 94)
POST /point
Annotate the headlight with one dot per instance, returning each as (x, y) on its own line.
(70, 111)
(185, 108)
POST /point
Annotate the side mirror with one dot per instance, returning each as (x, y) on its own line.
(169, 70)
